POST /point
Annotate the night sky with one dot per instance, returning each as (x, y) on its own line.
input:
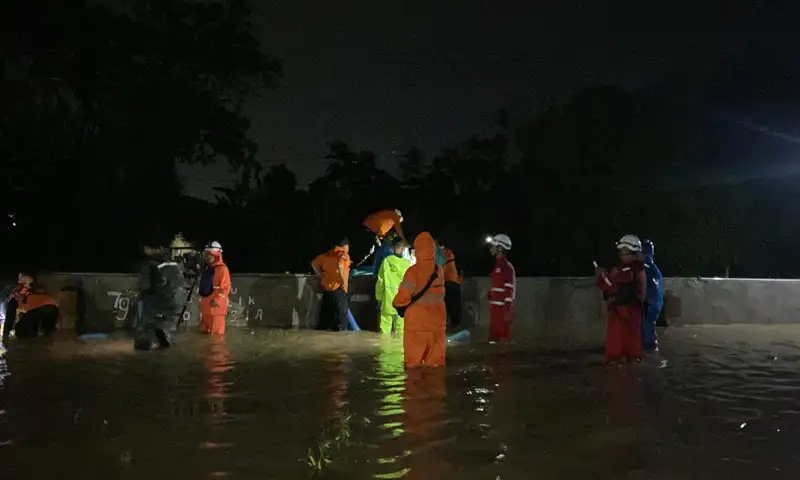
(384, 76)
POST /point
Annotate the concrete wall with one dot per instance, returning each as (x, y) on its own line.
(560, 312)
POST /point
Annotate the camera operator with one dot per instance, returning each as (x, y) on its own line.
(160, 291)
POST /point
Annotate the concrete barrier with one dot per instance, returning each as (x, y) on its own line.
(555, 312)
(103, 302)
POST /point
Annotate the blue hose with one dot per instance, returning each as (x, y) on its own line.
(352, 321)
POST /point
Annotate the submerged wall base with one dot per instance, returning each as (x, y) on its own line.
(556, 312)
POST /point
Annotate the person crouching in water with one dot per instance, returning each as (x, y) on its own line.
(624, 289)
(333, 270)
(36, 310)
(39, 313)
(655, 297)
(214, 289)
(420, 301)
(390, 275)
(502, 291)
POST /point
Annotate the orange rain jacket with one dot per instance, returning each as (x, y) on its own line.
(328, 263)
(31, 298)
(424, 339)
(221, 285)
(382, 222)
(36, 300)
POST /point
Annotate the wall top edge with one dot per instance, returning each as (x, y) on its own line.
(300, 275)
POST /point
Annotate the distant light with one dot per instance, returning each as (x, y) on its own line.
(489, 239)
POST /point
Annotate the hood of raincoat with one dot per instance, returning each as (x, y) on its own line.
(217, 256)
(648, 250)
(425, 248)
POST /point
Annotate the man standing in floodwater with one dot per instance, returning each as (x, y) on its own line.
(214, 289)
(390, 275)
(503, 290)
(333, 270)
(655, 297)
(624, 288)
(160, 287)
(420, 301)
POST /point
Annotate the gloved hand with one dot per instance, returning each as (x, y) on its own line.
(372, 250)
(599, 272)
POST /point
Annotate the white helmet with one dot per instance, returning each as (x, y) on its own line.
(500, 240)
(214, 246)
(399, 214)
(631, 242)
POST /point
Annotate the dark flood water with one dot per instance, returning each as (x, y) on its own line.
(717, 403)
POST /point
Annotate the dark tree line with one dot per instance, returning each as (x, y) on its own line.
(100, 99)
(99, 104)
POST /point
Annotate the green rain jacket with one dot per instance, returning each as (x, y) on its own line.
(390, 275)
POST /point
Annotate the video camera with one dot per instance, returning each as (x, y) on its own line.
(191, 263)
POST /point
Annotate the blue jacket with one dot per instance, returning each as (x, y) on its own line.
(385, 250)
(655, 289)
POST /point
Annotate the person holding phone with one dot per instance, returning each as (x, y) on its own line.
(624, 289)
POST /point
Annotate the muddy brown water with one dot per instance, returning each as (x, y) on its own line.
(718, 402)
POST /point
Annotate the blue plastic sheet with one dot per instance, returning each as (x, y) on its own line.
(462, 336)
(93, 336)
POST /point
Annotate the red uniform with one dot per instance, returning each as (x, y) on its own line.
(501, 299)
(625, 288)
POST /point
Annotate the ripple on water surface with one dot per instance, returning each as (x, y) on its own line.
(718, 402)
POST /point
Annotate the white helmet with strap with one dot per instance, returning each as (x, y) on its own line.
(500, 240)
(631, 242)
(214, 246)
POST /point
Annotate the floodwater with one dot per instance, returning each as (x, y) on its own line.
(718, 402)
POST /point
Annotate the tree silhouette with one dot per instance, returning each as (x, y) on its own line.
(100, 102)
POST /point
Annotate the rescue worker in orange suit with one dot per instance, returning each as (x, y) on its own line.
(214, 288)
(625, 290)
(333, 270)
(420, 301)
(381, 224)
(502, 291)
(452, 288)
(37, 311)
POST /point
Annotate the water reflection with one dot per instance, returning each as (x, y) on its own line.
(254, 405)
(337, 384)
(390, 414)
(218, 362)
(425, 416)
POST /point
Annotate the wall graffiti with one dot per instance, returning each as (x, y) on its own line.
(123, 301)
